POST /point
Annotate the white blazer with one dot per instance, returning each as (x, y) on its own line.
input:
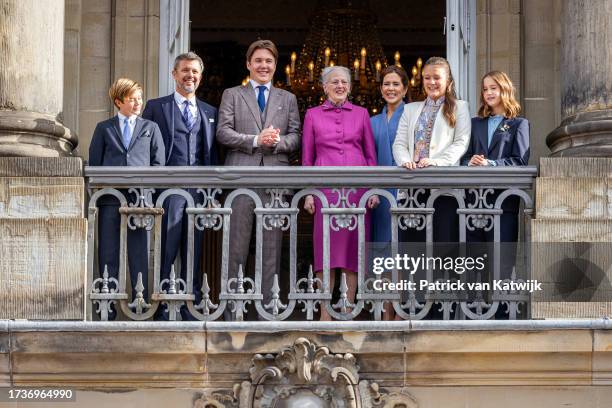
(447, 144)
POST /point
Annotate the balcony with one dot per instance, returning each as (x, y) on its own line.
(296, 293)
(433, 341)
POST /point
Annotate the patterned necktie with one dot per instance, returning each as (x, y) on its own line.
(127, 133)
(261, 98)
(187, 116)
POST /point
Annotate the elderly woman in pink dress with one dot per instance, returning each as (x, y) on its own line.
(337, 133)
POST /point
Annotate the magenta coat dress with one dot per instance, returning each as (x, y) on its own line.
(338, 136)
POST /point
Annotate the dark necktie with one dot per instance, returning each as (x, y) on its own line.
(261, 98)
(187, 116)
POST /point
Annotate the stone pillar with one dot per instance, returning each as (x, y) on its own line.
(31, 79)
(586, 80)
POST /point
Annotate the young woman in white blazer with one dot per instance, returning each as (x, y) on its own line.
(434, 132)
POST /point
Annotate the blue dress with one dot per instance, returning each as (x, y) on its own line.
(384, 136)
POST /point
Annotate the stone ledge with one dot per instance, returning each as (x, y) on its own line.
(575, 167)
(534, 353)
(41, 167)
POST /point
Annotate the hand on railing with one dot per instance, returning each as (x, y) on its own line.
(373, 202)
(309, 204)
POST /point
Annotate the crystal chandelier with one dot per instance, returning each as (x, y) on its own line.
(341, 33)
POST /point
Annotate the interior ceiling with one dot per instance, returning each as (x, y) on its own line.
(412, 26)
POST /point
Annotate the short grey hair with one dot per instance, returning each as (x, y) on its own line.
(328, 71)
(188, 56)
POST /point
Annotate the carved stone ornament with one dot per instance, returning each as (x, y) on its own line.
(305, 376)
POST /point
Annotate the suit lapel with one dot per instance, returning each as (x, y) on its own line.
(273, 105)
(137, 129)
(248, 94)
(204, 123)
(167, 108)
(497, 135)
(482, 134)
(118, 133)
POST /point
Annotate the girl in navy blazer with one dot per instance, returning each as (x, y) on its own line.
(499, 138)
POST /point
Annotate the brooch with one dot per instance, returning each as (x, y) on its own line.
(504, 128)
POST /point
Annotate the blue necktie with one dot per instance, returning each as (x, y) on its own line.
(127, 136)
(261, 98)
(187, 116)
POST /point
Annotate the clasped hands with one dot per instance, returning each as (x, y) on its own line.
(269, 137)
(424, 162)
(309, 206)
(478, 160)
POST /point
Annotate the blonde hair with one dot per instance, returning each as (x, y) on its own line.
(506, 91)
(122, 88)
(450, 97)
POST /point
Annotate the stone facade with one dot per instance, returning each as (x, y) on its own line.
(422, 364)
(42, 238)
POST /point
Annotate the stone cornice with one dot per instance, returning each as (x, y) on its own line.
(217, 354)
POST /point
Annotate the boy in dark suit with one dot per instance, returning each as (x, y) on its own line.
(124, 140)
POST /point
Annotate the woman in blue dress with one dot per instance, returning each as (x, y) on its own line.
(393, 88)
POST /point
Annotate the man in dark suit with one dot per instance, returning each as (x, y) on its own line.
(188, 128)
(124, 140)
(260, 125)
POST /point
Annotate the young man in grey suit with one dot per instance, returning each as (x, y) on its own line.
(260, 125)
(124, 140)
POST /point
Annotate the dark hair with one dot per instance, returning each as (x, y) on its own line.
(262, 45)
(394, 69)
(450, 97)
(188, 56)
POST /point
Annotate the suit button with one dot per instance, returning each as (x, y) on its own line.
(338, 130)
(338, 111)
(338, 121)
(128, 155)
(341, 151)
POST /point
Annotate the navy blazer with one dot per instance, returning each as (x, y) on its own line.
(509, 145)
(146, 147)
(160, 111)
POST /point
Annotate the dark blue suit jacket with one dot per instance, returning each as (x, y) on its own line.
(509, 145)
(146, 147)
(160, 111)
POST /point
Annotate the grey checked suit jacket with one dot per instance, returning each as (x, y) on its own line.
(240, 122)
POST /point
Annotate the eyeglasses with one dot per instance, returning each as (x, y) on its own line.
(337, 82)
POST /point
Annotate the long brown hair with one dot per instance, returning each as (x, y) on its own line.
(450, 97)
(506, 92)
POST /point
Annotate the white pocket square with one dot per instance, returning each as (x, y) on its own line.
(211, 120)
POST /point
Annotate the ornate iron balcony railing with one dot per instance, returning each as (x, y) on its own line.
(210, 191)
